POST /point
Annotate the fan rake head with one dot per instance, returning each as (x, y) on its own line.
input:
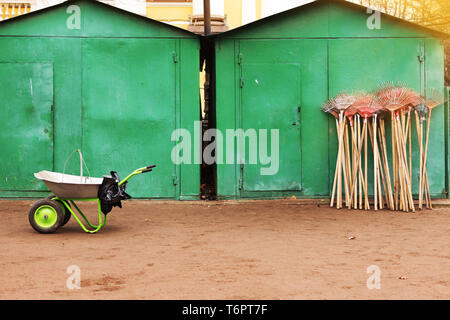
(343, 101)
(366, 105)
(414, 99)
(394, 97)
(434, 99)
(338, 104)
(328, 107)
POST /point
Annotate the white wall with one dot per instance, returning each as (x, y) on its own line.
(135, 6)
(40, 4)
(248, 11)
(217, 7)
(270, 7)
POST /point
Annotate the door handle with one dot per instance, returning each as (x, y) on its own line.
(297, 120)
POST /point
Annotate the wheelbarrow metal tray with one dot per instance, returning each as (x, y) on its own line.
(70, 186)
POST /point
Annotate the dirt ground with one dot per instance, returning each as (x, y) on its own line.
(277, 249)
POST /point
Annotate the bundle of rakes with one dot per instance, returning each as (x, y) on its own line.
(362, 115)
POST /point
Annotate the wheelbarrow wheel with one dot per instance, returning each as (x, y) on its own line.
(66, 212)
(46, 216)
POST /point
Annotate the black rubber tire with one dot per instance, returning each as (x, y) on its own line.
(59, 216)
(66, 212)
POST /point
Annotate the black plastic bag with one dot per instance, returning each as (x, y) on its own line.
(111, 194)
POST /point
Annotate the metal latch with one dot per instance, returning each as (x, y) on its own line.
(241, 82)
(175, 180)
(239, 58)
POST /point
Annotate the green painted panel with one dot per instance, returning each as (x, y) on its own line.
(271, 101)
(189, 109)
(65, 56)
(434, 61)
(86, 18)
(347, 20)
(314, 134)
(310, 57)
(129, 111)
(362, 71)
(226, 93)
(26, 138)
(447, 139)
(365, 70)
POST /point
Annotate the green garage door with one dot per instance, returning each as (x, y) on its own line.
(366, 69)
(26, 137)
(129, 111)
(271, 100)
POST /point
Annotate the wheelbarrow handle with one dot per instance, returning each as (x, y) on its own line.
(138, 171)
(148, 168)
(145, 168)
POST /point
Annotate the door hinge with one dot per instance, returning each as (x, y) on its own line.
(241, 178)
(239, 58)
(241, 82)
(421, 55)
(175, 57)
(175, 180)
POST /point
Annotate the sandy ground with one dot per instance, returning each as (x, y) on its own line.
(228, 250)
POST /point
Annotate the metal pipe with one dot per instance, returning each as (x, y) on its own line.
(207, 17)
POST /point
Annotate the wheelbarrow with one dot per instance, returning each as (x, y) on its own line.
(47, 215)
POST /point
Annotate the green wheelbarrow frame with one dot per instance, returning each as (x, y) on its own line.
(96, 228)
(67, 202)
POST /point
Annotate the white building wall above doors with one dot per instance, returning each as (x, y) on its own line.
(217, 7)
(270, 7)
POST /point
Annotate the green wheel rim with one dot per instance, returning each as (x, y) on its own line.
(45, 216)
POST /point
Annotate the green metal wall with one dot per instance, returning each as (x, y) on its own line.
(116, 88)
(332, 50)
(447, 139)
